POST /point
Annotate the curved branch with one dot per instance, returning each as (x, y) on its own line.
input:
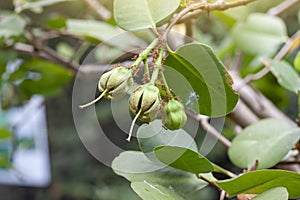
(100, 10)
(282, 7)
(203, 120)
(202, 7)
(46, 54)
(257, 102)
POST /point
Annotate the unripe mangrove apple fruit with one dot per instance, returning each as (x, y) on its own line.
(173, 115)
(145, 98)
(144, 102)
(117, 82)
(114, 84)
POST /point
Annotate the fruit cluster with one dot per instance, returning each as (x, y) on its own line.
(145, 102)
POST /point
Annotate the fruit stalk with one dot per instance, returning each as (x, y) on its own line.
(157, 67)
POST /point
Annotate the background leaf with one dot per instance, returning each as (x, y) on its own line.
(207, 76)
(150, 191)
(136, 167)
(153, 135)
(35, 6)
(6, 148)
(297, 62)
(286, 76)
(256, 182)
(260, 34)
(11, 25)
(267, 141)
(278, 193)
(4, 133)
(41, 77)
(104, 32)
(133, 15)
(184, 159)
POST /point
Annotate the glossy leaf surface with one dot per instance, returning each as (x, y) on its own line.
(267, 141)
(256, 182)
(133, 15)
(183, 159)
(207, 76)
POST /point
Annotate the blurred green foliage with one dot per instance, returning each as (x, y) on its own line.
(76, 174)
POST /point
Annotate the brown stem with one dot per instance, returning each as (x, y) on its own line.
(218, 5)
(222, 195)
(283, 7)
(242, 115)
(257, 102)
(289, 162)
(203, 120)
(258, 75)
(203, 7)
(189, 29)
(210, 182)
(46, 54)
(283, 51)
(100, 10)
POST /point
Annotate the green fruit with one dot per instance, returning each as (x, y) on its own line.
(173, 115)
(146, 100)
(114, 84)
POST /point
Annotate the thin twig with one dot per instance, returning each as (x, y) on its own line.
(218, 5)
(203, 120)
(183, 12)
(219, 169)
(256, 76)
(189, 29)
(222, 195)
(237, 61)
(257, 102)
(100, 10)
(46, 55)
(203, 7)
(210, 182)
(283, 51)
(289, 162)
(282, 7)
(243, 115)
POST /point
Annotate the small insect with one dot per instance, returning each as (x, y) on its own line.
(192, 98)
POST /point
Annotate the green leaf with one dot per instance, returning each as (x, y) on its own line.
(153, 135)
(278, 193)
(297, 62)
(286, 76)
(136, 167)
(256, 182)
(150, 191)
(267, 141)
(56, 22)
(11, 25)
(260, 35)
(97, 30)
(133, 15)
(207, 76)
(299, 104)
(65, 50)
(6, 152)
(43, 77)
(4, 163)
(101, 31)
(35, 6)
(4, 133)
(183, 159)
